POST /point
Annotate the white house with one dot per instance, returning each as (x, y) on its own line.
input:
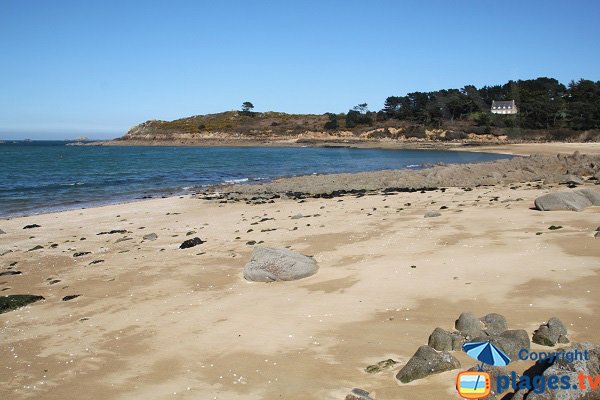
(504, 107)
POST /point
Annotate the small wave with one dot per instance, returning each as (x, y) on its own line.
(230, 181)
(413, 165)
(72, 184)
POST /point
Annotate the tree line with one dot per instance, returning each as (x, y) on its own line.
(542, 103)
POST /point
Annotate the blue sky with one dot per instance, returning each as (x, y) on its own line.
(96, 68)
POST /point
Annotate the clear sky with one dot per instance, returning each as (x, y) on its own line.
(98, 67)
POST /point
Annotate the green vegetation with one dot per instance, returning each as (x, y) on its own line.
(543, 103)
(547, 110)
(247, 106)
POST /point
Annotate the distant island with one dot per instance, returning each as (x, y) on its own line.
(541, 109)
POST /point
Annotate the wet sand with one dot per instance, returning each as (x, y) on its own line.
(157, 322)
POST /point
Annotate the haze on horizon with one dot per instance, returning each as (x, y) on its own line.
(73, 68)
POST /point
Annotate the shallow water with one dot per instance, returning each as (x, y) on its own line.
(47, 176)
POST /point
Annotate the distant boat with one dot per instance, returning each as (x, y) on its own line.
(27, 140)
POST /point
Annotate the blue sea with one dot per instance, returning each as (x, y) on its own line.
(44, 176)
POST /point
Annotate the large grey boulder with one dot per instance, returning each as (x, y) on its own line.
(269, 264)
(442, 340)
(561, 367)
(425, 362)
(551, 333)
(494, 323)
(571, 180)
(575, 200)
(469, 325)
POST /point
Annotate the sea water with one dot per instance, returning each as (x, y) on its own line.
(44, 176)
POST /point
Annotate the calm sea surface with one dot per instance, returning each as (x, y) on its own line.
(38, 176)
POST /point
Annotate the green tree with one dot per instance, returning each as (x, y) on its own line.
(583, 105)
(247, 107)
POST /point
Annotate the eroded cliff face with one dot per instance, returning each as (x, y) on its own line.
(159, 131)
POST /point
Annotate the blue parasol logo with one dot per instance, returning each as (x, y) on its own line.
(487, 353)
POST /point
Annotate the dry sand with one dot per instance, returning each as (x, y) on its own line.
(157, 322)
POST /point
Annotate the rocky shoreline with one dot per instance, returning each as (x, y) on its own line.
(536, 168)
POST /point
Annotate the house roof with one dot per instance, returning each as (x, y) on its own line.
(503, 104)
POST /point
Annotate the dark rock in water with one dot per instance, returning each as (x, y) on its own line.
(70, 297)
(53, 281)
(82, 253)
(150, 236)
(380, 366)
(358, 394)
(563, 368)
(7, 273)
(432, 214)
(469, 325)
(426, 361)
(575, 200)
(494, 324)
(551, 333)
(190, 233)
(112, 232)
(191, 243)
(96, 262)
(38, 247)
(251, 242)
(442, 340)
(32, 226)
(12, 302)
(270, 264)
(554, 227)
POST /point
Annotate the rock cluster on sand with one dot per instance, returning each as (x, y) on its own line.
(491, 327)
(434, 357)
(561, 367)
(575, 200)
(269, 264)
(551, 333)
(427, 361)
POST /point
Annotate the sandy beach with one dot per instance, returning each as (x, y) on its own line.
(154, 321)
